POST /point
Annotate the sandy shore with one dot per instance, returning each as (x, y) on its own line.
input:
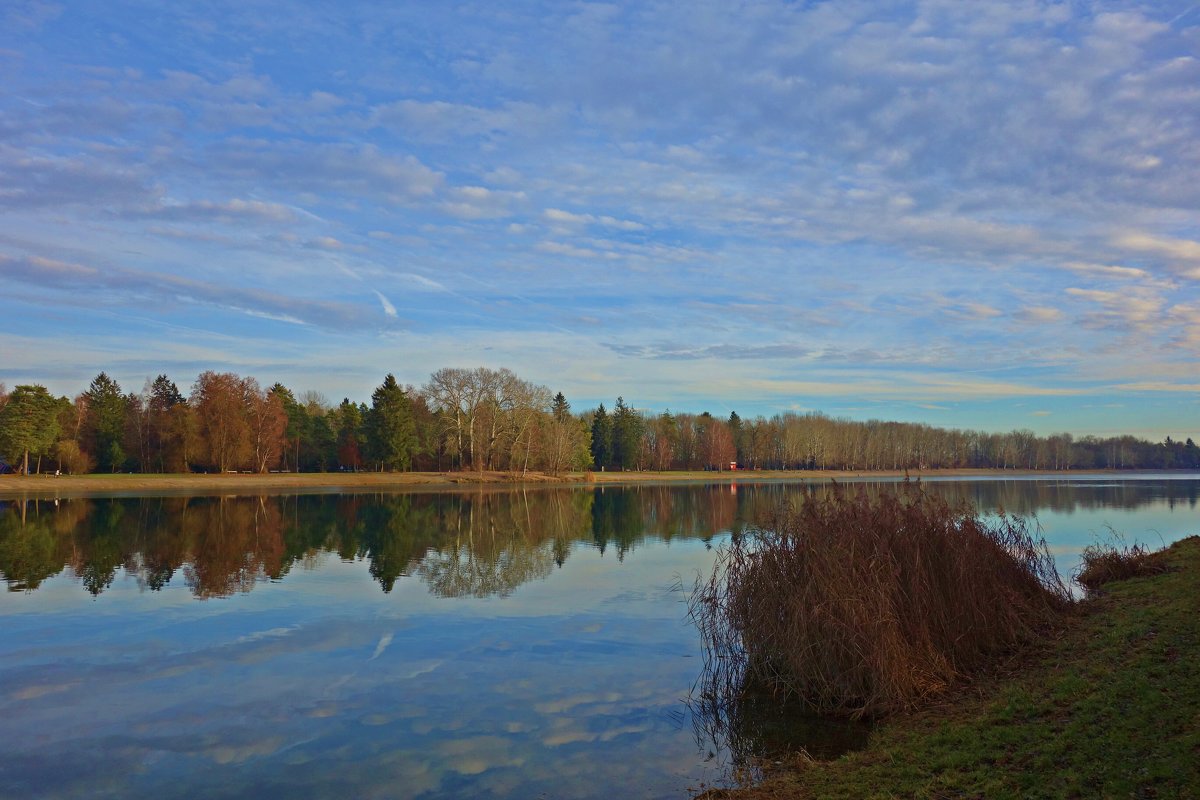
(18, 485)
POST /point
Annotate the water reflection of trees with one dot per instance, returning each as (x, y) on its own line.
(1030, 497)
(35, 542)
(480, 543)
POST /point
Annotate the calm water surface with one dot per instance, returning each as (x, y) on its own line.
(505, 644)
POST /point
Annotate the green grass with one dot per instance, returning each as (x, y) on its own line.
(1110, 708)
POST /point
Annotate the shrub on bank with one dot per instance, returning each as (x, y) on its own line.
(1105, 562)
(859, 607)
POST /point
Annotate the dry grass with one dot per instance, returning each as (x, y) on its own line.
(861, 607)
(1107, 708)
(1106, 562)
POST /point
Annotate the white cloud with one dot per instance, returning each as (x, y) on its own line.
(1106, 270)
(388, 308)
(1135, 311)
(558, 216)
(478, 202)
(914, 387)
(1184, 252)
(422, 281)
(1040, 314)
(563, 249)
(1159, 386)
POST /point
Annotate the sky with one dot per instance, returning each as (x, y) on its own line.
(978, 215)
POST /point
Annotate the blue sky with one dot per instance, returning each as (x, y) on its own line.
(978, 214)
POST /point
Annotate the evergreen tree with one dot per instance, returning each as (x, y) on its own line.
(297, 424)
(349, 435)
(391, 432)
(164, 407)
(561, 408)
(105, 426)
(602, 438)
(164, 394)
(626, 435)
(738, 432)
(321, 451)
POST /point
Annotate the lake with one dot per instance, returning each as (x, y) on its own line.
(494, 643)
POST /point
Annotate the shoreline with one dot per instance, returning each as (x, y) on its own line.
(18, 486)
(1068, 717)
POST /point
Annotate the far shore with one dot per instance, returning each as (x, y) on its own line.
(16, 486)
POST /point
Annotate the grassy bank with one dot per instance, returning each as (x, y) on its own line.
(1110, 708)
(17, 485)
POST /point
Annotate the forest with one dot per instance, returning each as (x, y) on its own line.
(491, 419)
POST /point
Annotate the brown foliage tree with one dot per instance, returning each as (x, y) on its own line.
(219, 402)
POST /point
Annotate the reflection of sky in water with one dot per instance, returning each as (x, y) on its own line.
(322, 685)
(1153, 526)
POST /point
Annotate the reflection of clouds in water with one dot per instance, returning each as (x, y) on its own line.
(559, 705)
(377, 719)
(613, 733)
(477, 754)
(567, 737)
(325, 710)
(442, 724)
(402, 715)
(236, 754)
(614, 714)
(384, 641)
(273, 633)
(41, 690)
(414, 670)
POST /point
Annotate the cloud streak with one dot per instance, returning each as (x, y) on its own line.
(132, 287)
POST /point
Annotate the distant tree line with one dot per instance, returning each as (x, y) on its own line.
(477, 419)
(485, 419)
(628, 440)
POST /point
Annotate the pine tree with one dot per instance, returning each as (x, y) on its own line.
(349, 435)
(392, 434)
(163, 406)
(738, 432)
(106, 422)
(627, 435)
(602, 437)
(561, 408)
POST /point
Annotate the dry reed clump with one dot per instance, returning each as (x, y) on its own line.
(1110, 561)
(861, 607)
